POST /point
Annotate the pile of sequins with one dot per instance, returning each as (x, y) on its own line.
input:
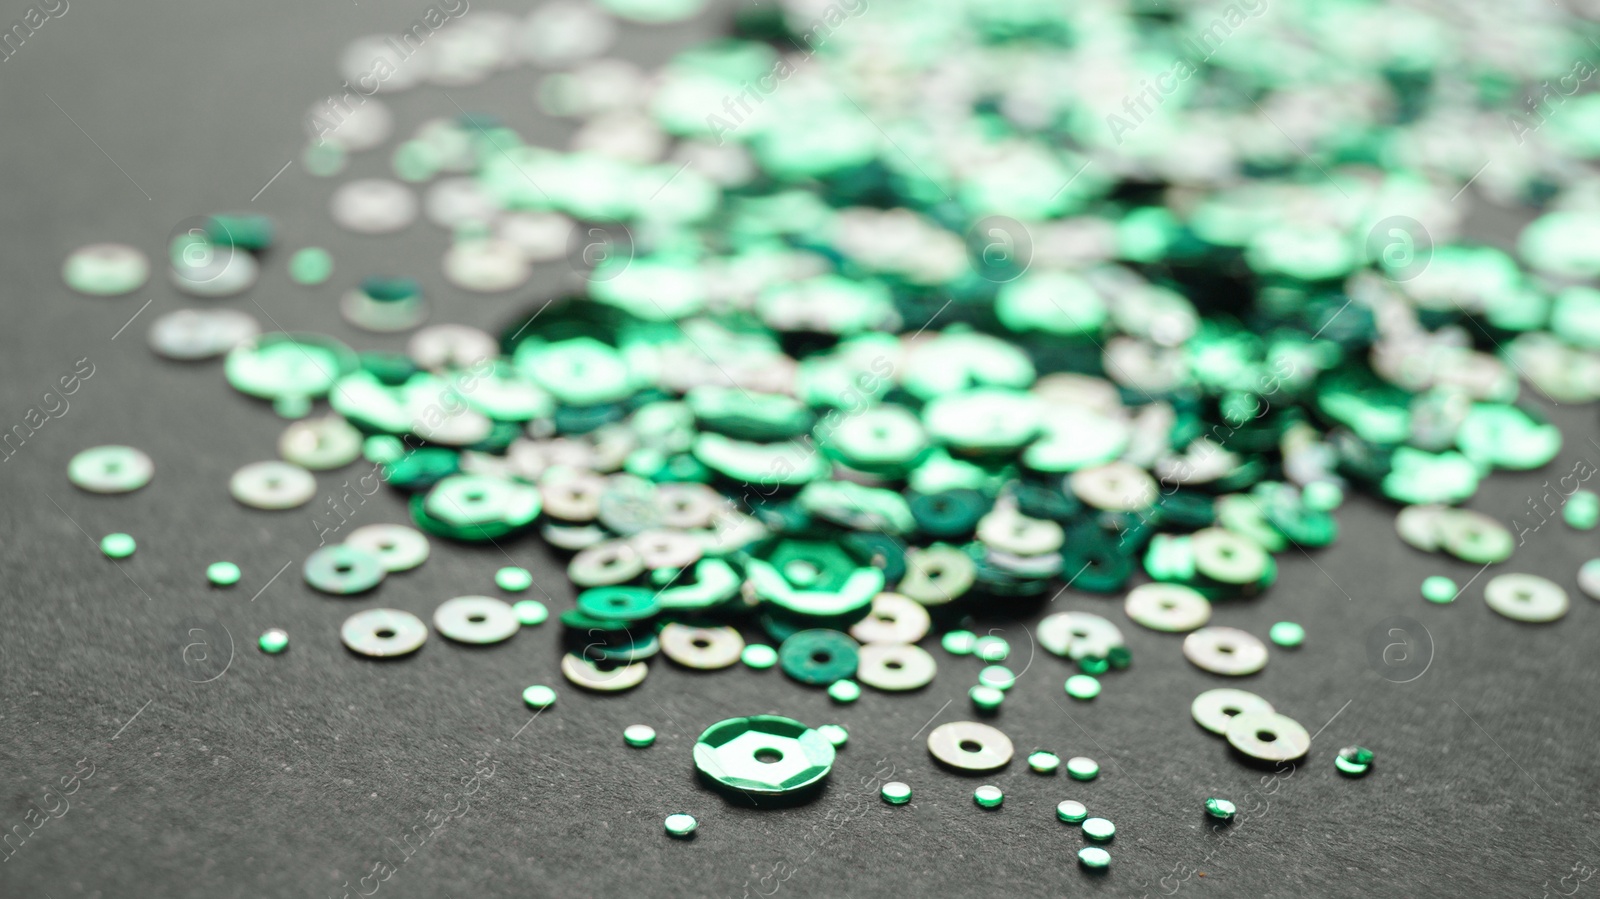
(892, 313)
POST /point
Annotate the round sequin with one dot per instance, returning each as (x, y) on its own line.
(272, 485)
(476, 619)
(383, 633)
(639, 735)
(1525, 597)
(110, 469)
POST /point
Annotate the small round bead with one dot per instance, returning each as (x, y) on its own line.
(117, 546)
(1082, 686)
(991, 648)
(274, 641)
(1287, 633)
(1072, 811)
(1322, 496)
(1220, 808)
(639, 735)
(835, 734)
(530, 612)
(1438, 588)
(1044, 761)
(539, 696)
(844, 691)
(1582, 511)
(997, 676)
(959, 643)
(1093, 665)
(681, 825)
(1353, 760)
(1094, 857)
(759, 655)
(1099, 829)
(895, 793)
(1083, 768)
(513, 579)
(986, 699)
(988, 796)
(223, 574)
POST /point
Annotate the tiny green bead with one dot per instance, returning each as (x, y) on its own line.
(759, 655)
(530, 612)
(274, 641)
(1353, 760)
(988, 796)
(681, 825)
(1082, 686)
(991, 648)
(844, 691)
(1582, 511)
(513, 579)
(1094, 665)
(1287, 633)
(1094, 857)
(986, 698)
(997, 676)
(310, 266)
(1099, 829)
(895, 793)
(1438, 588)
(1044, 761)
(639, 735)
(835, 734)
(1072, 811)
(539, 696)
(223, 574)
(1082, 768)
(117, 546)
(959, 643)
(1220, 808)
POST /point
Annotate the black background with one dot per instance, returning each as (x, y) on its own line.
(289, 775)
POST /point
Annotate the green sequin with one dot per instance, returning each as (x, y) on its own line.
(681, 825)
(1220, 808)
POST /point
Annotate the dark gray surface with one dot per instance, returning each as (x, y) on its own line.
(291, 775)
